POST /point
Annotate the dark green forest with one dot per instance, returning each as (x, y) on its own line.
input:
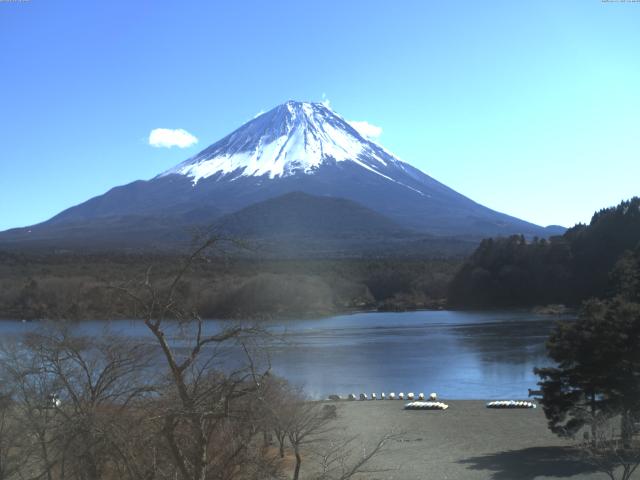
(588, 261)
(85, 286)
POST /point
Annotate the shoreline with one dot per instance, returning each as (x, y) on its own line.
(467, 441)
(537, 310)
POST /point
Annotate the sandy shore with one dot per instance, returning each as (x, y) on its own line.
(467, 441)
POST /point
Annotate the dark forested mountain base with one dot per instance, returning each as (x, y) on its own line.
(587, 261)
(77, 287)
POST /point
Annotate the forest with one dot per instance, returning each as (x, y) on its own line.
(75, 287)
(587, 261)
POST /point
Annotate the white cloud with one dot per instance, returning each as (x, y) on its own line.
(367, 130)
(167, 138)
(325, 101)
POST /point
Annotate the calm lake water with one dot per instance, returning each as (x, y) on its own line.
(459, 355)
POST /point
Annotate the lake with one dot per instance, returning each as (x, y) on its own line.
(459, 355)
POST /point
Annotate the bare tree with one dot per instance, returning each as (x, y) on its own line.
(30, 388)
(278, 399)
(11, 439)
(311, 431)
(73, 394)
(308, 423)
(344, 458)
(307, 427)
(99, 379)
(201, 392)
(609, 451)
(191, 402)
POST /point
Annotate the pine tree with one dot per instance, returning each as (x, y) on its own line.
(598, 368)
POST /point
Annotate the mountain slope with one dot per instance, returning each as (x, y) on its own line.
(300, 215)
(297, 225)
(596, 260)
(295, 147)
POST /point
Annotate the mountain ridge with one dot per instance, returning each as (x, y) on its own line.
(295, 147)
(290, 138)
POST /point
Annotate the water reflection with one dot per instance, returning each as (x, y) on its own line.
(457, 354)
(508, 352)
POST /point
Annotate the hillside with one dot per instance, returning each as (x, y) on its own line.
(594, 260)
(309, 226)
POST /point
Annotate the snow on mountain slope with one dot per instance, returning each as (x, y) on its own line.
(293, 138)
(295, 147)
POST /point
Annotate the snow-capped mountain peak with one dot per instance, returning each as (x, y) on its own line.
(293, 138)
(290, 167)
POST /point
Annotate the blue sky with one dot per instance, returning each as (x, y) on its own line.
(531, 108)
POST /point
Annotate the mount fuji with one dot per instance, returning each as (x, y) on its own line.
(297, 153)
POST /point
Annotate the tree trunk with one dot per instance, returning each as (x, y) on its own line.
(45, 455)
(281, 437)
(200, 463)
(594, 426)
(626, 429)
(296, 472)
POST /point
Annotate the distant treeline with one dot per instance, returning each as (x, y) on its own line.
(592, 260)
(587, 261)
(86, 286)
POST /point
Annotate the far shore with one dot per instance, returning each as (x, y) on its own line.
(545, 310)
